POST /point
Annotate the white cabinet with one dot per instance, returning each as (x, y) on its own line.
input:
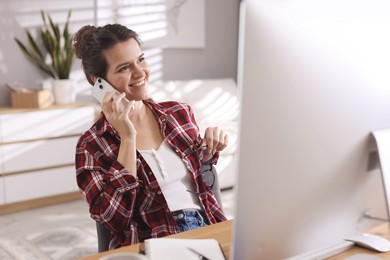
(38, 154)
(44, 123)
(37, 150)
(39, 184)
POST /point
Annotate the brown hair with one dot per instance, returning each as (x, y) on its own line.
(90, 42)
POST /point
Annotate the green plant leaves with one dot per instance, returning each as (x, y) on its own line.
(55, 44)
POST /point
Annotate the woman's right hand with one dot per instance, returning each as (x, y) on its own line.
(119, 119)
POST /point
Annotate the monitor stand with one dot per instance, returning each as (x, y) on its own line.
(382, 139)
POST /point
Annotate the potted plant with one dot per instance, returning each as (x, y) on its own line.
(53, 55)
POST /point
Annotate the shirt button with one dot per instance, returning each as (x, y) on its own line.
(181, 215)
(159, 192)
(150, 173)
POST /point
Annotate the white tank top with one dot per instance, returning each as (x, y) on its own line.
(172, 176)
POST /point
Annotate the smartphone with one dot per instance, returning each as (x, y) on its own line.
(101, 87)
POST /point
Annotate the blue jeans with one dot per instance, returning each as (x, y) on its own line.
(188, 219)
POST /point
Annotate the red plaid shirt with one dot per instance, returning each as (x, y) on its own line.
(135, 209)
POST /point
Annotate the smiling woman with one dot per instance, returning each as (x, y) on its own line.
(139, 168)
(128, 70)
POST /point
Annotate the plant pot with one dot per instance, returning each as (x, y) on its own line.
(64, 92)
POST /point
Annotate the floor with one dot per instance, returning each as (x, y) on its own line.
(61, 232)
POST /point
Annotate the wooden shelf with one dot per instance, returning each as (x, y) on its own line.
(6, 110)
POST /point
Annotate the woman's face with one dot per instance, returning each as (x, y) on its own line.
(128, 70)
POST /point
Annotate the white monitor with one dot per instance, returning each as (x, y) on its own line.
(314, 78)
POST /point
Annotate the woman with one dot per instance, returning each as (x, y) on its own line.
(139, 167)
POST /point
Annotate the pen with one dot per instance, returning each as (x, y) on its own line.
(201, 257)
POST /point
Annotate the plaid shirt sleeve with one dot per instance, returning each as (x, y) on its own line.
(107, 186)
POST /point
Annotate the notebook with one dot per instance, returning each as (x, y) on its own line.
(178, 248)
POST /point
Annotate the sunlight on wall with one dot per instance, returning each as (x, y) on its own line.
(149, 20)
(27, 13)
(154, 58)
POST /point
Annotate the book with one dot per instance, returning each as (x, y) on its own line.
(179, 248)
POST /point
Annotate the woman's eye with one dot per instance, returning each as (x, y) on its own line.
(123, 68)
(141, 59)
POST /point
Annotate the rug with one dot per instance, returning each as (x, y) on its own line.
(55, 244)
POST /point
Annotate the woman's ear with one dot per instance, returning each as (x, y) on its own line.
(94, 78)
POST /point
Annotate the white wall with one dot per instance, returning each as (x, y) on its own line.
(218, 58)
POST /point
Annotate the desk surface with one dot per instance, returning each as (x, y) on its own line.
(381, 230)
(222, 233)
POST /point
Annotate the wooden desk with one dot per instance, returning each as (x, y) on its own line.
(381, 230)
(222, 233)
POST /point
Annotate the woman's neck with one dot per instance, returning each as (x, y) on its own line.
(139, 112)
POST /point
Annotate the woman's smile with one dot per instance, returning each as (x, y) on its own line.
(137, 84)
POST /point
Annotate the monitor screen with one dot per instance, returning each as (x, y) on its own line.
(314, 78)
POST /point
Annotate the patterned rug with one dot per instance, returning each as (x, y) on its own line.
(56, 244)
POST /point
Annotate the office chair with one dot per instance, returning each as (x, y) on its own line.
(209, 174)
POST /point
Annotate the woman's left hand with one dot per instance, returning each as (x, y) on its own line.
(215, 140)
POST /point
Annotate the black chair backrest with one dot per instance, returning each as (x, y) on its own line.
(103, 236)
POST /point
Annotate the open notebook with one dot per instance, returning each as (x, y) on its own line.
(178, 248)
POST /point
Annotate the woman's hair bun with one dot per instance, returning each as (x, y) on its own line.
(80, 38)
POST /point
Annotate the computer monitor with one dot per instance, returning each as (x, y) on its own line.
(314, 78)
